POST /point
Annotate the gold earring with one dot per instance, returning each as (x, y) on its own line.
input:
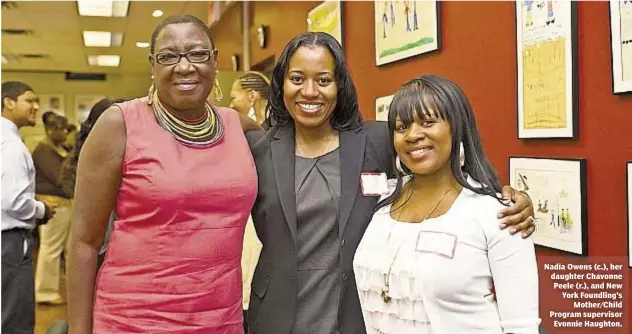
(150, 94)
(219, 96)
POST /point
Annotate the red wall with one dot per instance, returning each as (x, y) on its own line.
(478, 51)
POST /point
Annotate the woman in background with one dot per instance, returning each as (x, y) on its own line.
(433, 253)
(68, 175)
(250, 94)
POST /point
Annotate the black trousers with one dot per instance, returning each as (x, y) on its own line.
(18, 282)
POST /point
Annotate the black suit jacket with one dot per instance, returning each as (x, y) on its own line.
(273, 302)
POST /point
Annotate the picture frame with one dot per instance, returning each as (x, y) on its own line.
(83, 105)
(629, 209)
(621, 41)
(557, 189)
(382, 105)
(546, 43)
(326, 17)
(50, 102)
(398, 32)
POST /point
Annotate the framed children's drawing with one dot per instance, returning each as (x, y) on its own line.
(405, 29)
(621, 40)
(326, 17)
(382, 105)
(547, 69)
(557, 188)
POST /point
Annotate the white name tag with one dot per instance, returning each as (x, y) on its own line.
(374, 184)
(440, 243)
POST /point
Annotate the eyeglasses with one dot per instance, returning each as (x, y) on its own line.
(194, 56)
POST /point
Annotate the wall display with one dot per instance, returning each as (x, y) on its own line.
(557, 188)
(547, 69)
(83, 104)
(629, 201)
(382, 105)
(404, 29)
(621, 40)
(326, 17)
(50, 102)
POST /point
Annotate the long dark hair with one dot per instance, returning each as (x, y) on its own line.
(433, 94)
(346, 115)
(68, 172)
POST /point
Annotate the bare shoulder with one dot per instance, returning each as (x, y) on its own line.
(108, 133)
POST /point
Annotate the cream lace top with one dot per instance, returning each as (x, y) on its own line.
(441, 273)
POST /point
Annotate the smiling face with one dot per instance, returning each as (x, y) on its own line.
(310, 90)
(184, 85)
(425, 145)
(23, 110)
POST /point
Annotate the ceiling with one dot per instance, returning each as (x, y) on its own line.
(57, 34)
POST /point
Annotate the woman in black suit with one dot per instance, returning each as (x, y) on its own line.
(319, 168)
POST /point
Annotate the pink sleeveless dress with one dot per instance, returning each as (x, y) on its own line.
(173, 263)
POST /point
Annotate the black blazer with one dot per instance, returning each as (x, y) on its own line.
(273, 301)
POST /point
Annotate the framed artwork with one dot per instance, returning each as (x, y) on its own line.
(382, 105)
(50, 102)
(404, 29)
(621, 40)
(547, 69)
(326, 17)
(557, 188)
(629, 201)
(83, 104)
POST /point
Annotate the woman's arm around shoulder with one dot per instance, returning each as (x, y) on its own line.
(514, 272)
(97, 186)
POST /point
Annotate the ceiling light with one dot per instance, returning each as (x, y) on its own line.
(143, 45)
(157, 13)
(102, 38)
(110, 60)
(106, 8)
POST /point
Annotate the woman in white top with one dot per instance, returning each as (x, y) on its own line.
(433, 260)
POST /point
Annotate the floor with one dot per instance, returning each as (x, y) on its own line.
(45, 316)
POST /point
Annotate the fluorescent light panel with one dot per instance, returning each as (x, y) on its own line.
(157, 13)
(101, 60)
(104, 8)
(102, 38)
(142, 45)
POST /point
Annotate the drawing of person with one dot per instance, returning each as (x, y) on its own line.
(384, 21)
(550, 16)
(569, 220)
(415, 25)
(529, 5)
(552, 219)
(407, 12)
(392, 14)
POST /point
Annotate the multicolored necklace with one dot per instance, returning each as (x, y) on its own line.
(200, 133)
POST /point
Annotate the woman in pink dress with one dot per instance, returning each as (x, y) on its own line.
(180, 177)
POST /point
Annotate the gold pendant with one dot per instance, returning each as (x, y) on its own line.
(385, 296)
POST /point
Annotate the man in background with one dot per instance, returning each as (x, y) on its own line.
(20, 209)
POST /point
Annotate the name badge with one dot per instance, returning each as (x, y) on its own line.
(374, 184)
(440, 243)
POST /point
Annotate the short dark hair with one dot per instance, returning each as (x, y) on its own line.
(13, 89)
(176, 19)
(433, 94)
(56, 120)
(346, 115)
(257, 82)
(47, 116)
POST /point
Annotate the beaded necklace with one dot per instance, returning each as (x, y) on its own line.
(200, 133)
